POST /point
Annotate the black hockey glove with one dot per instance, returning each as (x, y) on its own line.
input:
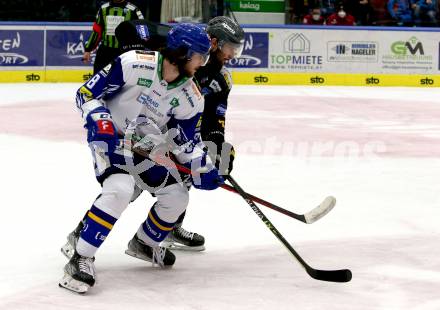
(224, 161)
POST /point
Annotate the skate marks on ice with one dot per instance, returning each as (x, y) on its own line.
(389, 273)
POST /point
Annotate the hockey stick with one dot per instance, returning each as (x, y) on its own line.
(310, 217)
(342, 275)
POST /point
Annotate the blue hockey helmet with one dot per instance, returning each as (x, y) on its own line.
(191, 38)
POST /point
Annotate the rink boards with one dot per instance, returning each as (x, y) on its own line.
(273, 55)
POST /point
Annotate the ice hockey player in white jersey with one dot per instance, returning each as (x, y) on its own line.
(149, 95)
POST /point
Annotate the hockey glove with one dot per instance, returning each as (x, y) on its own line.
(100, 128)
(207, 177)
(147, 138)
(224, 161)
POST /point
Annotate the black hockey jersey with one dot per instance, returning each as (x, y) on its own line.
(215, 83)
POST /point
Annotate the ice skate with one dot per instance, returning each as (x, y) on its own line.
(79, 274)
(157, 255)
(181, 239)
(69, 248)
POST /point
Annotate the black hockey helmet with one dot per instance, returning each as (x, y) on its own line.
(226, 31)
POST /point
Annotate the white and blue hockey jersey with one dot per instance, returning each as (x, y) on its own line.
(133, 85)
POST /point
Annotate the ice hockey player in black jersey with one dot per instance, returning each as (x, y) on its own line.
(215, 81)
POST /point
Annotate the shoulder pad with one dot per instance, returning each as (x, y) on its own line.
(196, 90)
(139, 60)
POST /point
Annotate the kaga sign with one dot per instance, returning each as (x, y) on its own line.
(255, 52)
(66, 47)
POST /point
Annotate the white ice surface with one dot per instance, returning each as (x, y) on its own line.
(385, 228)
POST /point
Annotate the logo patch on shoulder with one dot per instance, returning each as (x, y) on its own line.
(106, 69)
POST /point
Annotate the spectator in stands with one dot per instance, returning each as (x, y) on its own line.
(361, 10)
(425, 12)
(341, 18)
(314, 18)
(400, 11)
(328, 7)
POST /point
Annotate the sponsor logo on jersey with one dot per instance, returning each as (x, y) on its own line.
(147, 100)
(215, 86)
(188, 96)
(149, 58)
(141, 52)
(144, 82)
(221, 110)
(156, 93)
(142, 66)
(175, 102)
(106, 70)
(150, 104)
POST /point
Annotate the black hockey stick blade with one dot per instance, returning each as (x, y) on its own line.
(342, 275)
